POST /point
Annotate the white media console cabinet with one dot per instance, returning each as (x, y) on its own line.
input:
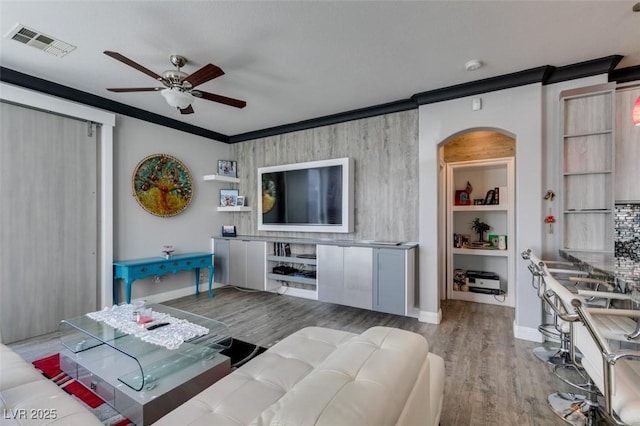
(372, 275)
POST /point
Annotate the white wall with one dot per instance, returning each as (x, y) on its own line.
(516, 111)
(139, 234)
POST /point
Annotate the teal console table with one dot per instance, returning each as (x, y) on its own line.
(130, 270)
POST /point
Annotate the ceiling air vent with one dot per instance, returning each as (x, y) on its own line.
(36, 39)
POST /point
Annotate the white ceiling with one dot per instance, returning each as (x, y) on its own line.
(298, 60)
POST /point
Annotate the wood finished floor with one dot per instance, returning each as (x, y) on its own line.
(491, 377)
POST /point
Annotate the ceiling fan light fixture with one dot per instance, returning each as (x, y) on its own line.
(177, 98)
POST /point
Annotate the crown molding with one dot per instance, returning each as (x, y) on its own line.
(501, 82)
(584, 69)
(546, 74)
(625, 75)
(357, 114)
(10, 76)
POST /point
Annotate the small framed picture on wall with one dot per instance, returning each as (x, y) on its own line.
(228, 197)
(227, 168)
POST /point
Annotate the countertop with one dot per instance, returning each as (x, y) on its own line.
(623, 269)
(327, 241)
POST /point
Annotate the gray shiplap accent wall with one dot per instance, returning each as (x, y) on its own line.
(385, 150)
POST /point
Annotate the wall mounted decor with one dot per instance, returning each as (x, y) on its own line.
(228, 197)
(162, 185)
(227, 168)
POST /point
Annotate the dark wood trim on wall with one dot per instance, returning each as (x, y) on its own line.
(10, 76)
(584, 69)
(546, 74)
(625, 75)
(507, 81)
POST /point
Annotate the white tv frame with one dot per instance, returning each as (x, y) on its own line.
(347, 196)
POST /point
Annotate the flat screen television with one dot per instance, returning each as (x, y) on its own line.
(307, 197)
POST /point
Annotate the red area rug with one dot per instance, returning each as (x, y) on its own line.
(50, 368)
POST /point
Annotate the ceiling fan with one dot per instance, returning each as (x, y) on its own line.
(179, 86)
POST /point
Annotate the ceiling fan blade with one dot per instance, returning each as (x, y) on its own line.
(221, 99)
(135, 89)
(125, 60)
(187, 110)
(204, 74)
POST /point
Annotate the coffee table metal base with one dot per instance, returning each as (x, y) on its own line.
(96, 370)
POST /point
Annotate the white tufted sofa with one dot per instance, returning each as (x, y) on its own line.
(27, 397)
(384, 376)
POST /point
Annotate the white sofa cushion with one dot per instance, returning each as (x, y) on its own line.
(327, 377)
(366, 381)
(241, 396)
(26, 396)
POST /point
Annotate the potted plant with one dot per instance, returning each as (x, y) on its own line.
(480, 228)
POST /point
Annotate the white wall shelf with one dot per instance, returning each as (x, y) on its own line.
(234, 209)
(481, 208)
(292, 259)
(481, 252)
(222, 178)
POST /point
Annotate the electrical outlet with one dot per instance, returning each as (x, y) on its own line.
(204, 274)
(156, 279)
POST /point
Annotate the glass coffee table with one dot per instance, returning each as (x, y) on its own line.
(143, 381)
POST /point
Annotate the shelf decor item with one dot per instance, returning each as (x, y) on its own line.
(229, 231)
(228, 197)
(227, 168)
(240, 201)
(162, 185)
(488, 199)
(480, 228)
(462, 198)
(167, 251)
(461, 240)
(498, 241)
(460, 280)
(550, 220)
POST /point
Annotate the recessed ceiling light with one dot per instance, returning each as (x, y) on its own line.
(636, 7)
(472, 65)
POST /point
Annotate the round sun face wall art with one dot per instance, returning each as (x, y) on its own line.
(162, 185)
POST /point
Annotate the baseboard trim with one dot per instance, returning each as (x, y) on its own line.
(430, 317)
(526, 333)
(180, 292)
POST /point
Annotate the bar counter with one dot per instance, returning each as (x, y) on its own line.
(624, 270)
